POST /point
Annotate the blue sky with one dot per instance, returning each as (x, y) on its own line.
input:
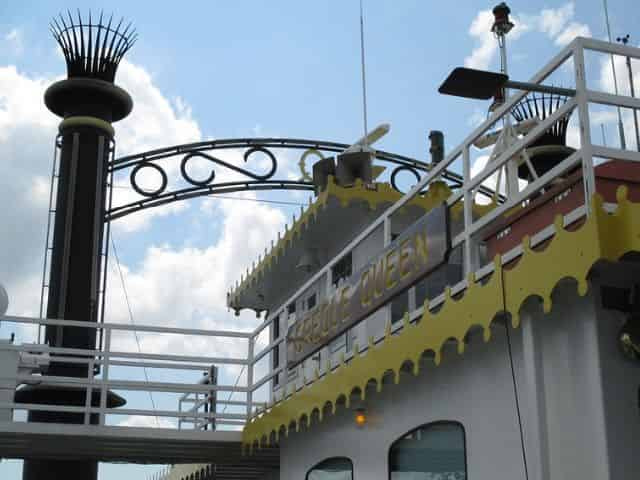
(238, 69)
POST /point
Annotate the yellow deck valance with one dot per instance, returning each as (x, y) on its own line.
(572, 254)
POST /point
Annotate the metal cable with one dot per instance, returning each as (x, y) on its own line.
(515, 394)
(259, 200)
(224, 409)
(615, 78)
(135, 334)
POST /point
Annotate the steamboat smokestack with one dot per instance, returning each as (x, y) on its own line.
(88, 102)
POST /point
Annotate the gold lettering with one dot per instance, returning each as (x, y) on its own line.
(390, 268)
(378, 276)
(324, 319)
(365, 297)
(315, 326)
(298, 337)
(333, 314)
(421, 249)
(403, 262)
(308, 329)
(344, 304)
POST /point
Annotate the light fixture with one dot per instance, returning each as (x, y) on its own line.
(361, 417)
(501, 24)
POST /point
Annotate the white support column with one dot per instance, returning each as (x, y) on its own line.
(586, 147)
(386, 240)
(251, 345)
(105, 374)
(467, 204)
(88, 399)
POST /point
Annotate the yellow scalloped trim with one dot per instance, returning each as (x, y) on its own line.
(428, 335)
(383, 193)
(569, 254)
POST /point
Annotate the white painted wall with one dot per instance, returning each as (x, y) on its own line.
(475, 390)
(578, 402)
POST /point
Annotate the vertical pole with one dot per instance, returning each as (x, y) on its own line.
(623, 143)
(89, 394)
(250, 378)
(385, 242)
(586, 148)
(105, 374)
(54, 174)
(467, 204)
(633, 95)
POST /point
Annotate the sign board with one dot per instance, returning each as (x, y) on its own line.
(421, 248)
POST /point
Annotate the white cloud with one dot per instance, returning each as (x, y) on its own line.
(27, 133)
(573, 30)
(154, 122)
(147, 422)
(480, 29)
(552, 22)
(606, 83)
(184, 286)
(189, 285)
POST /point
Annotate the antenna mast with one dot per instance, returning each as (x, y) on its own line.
(365, 144)
(623, 143)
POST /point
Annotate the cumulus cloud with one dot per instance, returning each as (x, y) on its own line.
(573, 30)
(608, 115)
(166, 285)
(154, 121)
(27, 132)
(556, 23)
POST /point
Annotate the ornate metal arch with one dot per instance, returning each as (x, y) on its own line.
(189, 187)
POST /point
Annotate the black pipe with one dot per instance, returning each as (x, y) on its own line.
(88, 102)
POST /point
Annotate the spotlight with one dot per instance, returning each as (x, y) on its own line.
(361, 417)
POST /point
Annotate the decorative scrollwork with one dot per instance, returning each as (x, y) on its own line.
(400, 169)
(145, 192)
(132, 165)
(230, 166)
(302, 163)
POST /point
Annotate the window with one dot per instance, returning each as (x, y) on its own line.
(399, 306)
(276, 327)
(342, 269)
(311, 301)
(337, 468)
(436, 450)
(276, 363)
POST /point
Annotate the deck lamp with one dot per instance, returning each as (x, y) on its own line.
(361, 417)
(501, 23)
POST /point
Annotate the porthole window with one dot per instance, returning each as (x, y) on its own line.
(436, 450)
(336, 468)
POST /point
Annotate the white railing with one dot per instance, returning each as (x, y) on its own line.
(460, 158)
(118, 366)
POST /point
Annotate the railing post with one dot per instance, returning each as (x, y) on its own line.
(105, 374)
(586, 147)
(251, 342)
(88, 400)
(467, 205)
